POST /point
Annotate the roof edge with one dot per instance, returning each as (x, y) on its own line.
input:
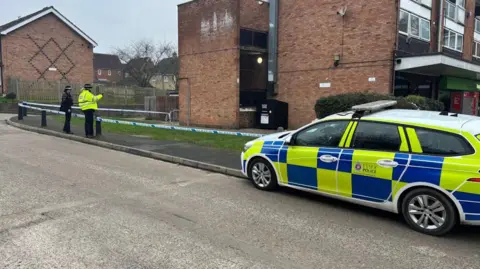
(58, 15)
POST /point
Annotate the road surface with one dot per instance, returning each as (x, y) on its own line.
(69, 205)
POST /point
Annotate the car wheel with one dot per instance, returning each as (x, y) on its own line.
(429, 212)
(262, 174)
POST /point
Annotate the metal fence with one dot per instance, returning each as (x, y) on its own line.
(51, 92)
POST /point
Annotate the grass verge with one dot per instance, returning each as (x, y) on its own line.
(228, 142)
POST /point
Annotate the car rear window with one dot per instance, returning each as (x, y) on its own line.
(442, 143)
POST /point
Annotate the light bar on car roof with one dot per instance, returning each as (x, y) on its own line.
(377, 105)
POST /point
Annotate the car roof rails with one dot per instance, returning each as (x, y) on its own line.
(446, 113)
(360, 110)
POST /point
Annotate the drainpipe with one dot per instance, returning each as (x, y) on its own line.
(273, 47)
(1, 67)
(440, 26)
(188, 99)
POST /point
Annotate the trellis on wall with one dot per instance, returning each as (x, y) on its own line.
(52, 61)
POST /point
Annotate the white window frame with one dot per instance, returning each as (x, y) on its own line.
(109, 72)
(165, 79)
(455, 6)
(456, 35)
(477, 25)
(476, 45)
(99, 72)
(419, 26)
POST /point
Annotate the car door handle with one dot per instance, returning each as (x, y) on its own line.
(328, 158)
(387, 163)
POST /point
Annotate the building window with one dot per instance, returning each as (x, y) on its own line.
(451, 8)
(99, 72)
(413, 25)
(476, 50)
(119, 73)
(109, 72)
(452, 40)
(477, 25)
(165, 79)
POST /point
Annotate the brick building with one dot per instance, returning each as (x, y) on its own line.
(45, 46)
(107, 68)
(324, 48)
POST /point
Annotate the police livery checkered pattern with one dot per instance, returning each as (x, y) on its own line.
(357, 175)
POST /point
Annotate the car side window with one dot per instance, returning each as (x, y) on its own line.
(441, 143)
(324, 134)
(376, 136)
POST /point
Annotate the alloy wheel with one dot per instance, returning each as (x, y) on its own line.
(261, 174)
(427, 212)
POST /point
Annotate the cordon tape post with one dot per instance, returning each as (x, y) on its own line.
(35, 106)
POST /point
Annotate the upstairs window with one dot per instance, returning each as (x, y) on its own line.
(249, 38)
(454, 9)
(109, 72)
(99, 72)
(476, 50)
(452, 40)
(413, 25)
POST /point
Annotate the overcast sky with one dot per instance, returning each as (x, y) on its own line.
(111, 23)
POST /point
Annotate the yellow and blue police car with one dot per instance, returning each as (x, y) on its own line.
(424, 165)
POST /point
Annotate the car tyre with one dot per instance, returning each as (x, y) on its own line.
(262, 174)
(428, 211)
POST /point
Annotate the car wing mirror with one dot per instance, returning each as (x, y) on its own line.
(288, 140)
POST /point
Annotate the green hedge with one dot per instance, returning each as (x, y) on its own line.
(344, 102)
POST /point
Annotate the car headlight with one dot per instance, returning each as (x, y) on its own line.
(247, 146)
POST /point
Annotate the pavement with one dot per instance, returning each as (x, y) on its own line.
(65, 204)
(225, 158)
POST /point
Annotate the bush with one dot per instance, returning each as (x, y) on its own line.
(11, 96)
(344, 102)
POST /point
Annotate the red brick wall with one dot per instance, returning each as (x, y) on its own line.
(311, 33)
(18, 49)
(253, 15)
(115, 75)
(208, 53)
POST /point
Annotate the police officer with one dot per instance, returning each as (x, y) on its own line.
(88, 104)
(66, 106)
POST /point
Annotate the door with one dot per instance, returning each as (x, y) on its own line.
(377, 156)
(447, 160)
(313, 154)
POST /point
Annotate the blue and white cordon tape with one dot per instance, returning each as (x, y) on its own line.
(132, 123)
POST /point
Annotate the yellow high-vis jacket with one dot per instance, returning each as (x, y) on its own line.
(88, 100)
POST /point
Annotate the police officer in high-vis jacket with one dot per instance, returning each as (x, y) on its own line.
(88, 104)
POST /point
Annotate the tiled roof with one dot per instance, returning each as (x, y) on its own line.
(106, 61)
(22, 19)
(20, 22)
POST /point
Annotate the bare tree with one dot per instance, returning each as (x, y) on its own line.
(142, 59)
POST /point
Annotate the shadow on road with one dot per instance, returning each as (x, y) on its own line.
(461, 233)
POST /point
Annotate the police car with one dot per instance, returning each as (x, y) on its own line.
(424, 165)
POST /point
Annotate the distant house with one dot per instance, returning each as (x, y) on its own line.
(107, 68)
(166, 76)
(145, 73)
(45, 45)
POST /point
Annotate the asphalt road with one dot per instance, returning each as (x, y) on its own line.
(68, 205)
